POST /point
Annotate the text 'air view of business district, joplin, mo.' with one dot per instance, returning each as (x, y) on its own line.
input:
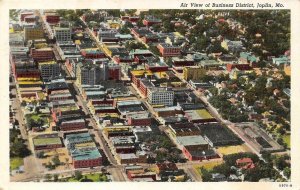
(149, 95)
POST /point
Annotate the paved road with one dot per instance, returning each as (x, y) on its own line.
(97, 131)
(117, 174)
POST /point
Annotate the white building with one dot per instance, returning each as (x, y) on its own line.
(160, 96)
(63, 34)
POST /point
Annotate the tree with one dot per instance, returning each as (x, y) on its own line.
(23, 103)
(56, 161)
(55, 177)
(130, 45)
(19, 149)
(201, 43)
(287, 172)
(48, 177)
(205, 174)
(40, 154)
(78, 175)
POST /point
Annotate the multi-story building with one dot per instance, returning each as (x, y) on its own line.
(107, 35)
(83, 150)
(42, 54)
(160, 96)
(63, 34)
(193, 72)
(167, 50)
(88, 74)
(52, 18)
(49, 69)
(114, 71)
(32, 33)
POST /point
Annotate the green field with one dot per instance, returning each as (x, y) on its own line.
(16, 162)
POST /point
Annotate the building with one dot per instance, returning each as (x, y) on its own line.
(167, 50)
(179, 63)
(33, 33)
(56, 85)
(92, 53)
(49, 70)
(160, 96)
(196, 148)
(199, 116)
(88, 74)
(114, 71)
(63, 34)
(232, 46)
(150, 20)
(42, 54)
(52, 18)
(83, 150)
(60, 95)
(281, 60)
(218, 135)
(144, 85)
(193, 73)
(131, 158)
(108, 35)
(184, 129)
(25, 14)
(139, 118)
(46, 142)
(209, 64)
(245, 163)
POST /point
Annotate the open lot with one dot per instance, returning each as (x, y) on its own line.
(207, 165)
(233, 149)
(16, 162)
(63, 157)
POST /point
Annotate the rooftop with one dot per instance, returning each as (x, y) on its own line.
(43, 140)
(85, 153)
(198, 114)
(191, 140)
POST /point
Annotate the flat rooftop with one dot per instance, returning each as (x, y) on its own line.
(191, 140)
(44, 140)
(198, 114)
(85, 153)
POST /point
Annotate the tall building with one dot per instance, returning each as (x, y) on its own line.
(88, 74)
(114, 71)
(160, 96)
(63, 34)
(33, 33)
(49, 69)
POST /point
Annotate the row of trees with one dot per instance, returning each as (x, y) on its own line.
(261, 169)
(18, 148)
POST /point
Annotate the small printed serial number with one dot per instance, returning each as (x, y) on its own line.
(285, 185)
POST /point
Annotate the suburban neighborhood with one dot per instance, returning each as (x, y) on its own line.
(149, 95)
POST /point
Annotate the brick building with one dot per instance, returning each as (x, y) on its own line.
(43, 54)
(167, 50)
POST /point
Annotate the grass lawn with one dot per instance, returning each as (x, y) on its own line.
(16, 162)
(208, 165)
(93, 177)
(232, 149)
(287, 140)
